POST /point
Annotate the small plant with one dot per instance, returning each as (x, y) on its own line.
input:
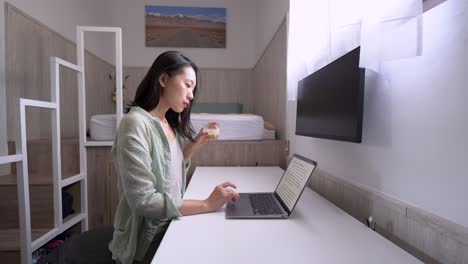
(112, 78)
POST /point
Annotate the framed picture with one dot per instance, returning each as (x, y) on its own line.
(191, 27)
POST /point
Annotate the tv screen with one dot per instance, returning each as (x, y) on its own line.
(330, 101)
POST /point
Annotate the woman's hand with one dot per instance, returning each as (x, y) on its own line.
(199, 140)
(203, 135)
(220, 195)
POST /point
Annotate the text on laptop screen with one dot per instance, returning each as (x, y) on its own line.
(293, 182)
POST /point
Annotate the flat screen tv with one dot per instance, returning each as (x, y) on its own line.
(330, 101)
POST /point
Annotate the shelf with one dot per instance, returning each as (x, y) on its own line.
(73, 219)
(11, 158)
(71, 180)
(75, 191)
(44, 238)
(39, 179)
(11, 237)
(92, 143)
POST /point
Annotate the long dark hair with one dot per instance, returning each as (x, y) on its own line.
(149, 91)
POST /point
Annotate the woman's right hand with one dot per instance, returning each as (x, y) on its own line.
(220, 195)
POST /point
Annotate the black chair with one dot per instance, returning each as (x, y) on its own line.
(88, 247)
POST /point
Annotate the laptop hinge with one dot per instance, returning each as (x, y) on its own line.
(282, 203)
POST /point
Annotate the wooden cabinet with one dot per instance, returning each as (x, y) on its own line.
(103, 195)
(112, 192)
(241, 153)
(98, 171)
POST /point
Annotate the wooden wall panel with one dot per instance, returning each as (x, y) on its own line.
(112, 192)
(40, 165)
(99, 88)
(269, 82)
(241, 153)
(98, 169)
(29, 45)
(41, 202)
(227, 85)
(428, 237)
(216, 85)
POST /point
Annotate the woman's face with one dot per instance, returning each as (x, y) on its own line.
(178, 90)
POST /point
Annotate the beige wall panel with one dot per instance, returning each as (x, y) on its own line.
(226, 85)
(99, 88)
(98, 160)
(112, 192)
(241, 153)
(10, 242)
(269, 82)
(29, 46)
(217, 85)
(429, 237)
(41, 202)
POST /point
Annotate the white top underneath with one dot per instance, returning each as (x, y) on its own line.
(176, 168)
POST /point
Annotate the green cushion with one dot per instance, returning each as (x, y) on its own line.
(217, 108)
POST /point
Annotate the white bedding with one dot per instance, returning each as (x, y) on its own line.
(102, 127)
(232, 126)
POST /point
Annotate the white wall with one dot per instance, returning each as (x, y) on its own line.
(415, 117)
(269, 15)
(239, 52)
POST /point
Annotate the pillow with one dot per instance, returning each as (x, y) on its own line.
(217, 108)
(268, 125)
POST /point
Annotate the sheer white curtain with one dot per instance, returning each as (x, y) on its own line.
(390, 30)
(323, 30)
(385, 30)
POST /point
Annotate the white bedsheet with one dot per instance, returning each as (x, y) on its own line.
(232, 126)
(102, 127)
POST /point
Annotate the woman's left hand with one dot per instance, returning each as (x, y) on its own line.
(203, 135)
(199, 140)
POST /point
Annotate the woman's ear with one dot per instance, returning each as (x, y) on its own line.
(163, 79)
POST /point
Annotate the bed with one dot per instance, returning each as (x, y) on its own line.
(235, 126)
(244, 140)
(232, 126)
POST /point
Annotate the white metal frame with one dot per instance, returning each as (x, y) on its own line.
(81, 80)
(21, 156)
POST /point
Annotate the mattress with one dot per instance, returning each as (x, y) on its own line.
(102, 127)
(268, 134)
(232, 126)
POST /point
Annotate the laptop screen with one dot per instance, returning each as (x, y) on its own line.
(294, 180)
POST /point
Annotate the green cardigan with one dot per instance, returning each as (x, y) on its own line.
(142, 159)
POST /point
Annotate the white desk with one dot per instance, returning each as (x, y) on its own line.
(316, 232)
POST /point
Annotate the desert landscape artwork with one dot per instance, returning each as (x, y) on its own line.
(192, 27)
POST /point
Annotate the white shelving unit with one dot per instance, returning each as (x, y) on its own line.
(90, 143)
(81, 80)
(28, 245)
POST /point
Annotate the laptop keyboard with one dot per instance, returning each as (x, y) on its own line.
(264, 204)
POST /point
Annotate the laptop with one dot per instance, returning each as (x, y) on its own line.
(278, 204)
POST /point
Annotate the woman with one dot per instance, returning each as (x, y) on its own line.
(152, 152)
